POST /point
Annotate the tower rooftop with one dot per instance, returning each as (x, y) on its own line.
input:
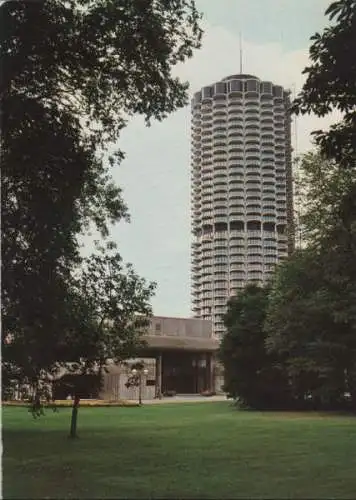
(241, 76)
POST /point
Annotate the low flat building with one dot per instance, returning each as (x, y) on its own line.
(179, 356)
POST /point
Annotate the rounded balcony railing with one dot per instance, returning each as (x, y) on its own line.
(219, 104)
(237, 265)
(235, 148)
(221, 218)
(233, 127)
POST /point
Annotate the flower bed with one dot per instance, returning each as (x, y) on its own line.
(65, 403)
(208, 394)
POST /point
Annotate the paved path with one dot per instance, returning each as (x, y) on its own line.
(185, 399)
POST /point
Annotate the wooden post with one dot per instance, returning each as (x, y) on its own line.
(158, 388)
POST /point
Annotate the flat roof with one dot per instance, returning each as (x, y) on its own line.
(180, 343)
(181, 318)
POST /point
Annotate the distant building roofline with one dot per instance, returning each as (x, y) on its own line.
(155, 316)
(180, 343)
(241, 76)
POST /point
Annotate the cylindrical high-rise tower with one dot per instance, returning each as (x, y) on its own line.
(242, 207)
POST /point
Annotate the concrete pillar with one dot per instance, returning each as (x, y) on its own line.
(203, 372)
(210, 372)
(158, 388)
(196, 373)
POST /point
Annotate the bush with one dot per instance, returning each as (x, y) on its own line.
(66, 403)
(208, 393)
(169, 394)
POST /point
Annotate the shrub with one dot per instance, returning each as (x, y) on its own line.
(169, 394)
(65, 403)
(208, 393)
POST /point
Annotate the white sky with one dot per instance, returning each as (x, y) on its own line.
(155, 174)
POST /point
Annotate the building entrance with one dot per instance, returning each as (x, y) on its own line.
(183, 373)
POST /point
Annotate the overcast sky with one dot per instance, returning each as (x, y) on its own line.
(155, 175)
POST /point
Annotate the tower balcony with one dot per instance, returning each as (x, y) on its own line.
(237, 266)
(252, 176)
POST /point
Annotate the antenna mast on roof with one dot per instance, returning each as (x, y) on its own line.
(240, 54)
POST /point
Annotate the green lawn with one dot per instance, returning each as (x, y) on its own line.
(206, 450)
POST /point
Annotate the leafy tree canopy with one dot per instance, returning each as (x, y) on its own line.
(311, 315)
(331, 82)
(101, 59)
(310, 327)
(251, 376)
(326, 193)
(73, 72)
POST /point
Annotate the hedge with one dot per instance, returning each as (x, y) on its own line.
(65, 403)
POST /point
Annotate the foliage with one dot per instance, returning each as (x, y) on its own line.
(169, 394)
(251, 375)
(331, 82)
(101, 59)
(311, 317)
(208, 393)
(118, 305)
(73, 72)
(306, 327)
(301, 332)
(66, 403)
(134, 379)
(323, 187)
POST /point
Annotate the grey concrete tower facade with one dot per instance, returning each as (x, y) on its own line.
(241, 205)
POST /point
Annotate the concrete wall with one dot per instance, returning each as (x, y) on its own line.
(114, 381)
(218, 377)
(181, 327)
(114, 387)
(188, 328)
(172, 329)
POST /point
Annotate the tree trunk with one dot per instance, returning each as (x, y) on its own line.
(74, 418)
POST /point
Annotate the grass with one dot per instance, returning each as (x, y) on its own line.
(207, 450)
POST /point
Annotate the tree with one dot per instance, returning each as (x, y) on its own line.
(119, 304)
(101, 60)
(118, 309)
(109, 311)
(73, 72)
(323, 188)
(311, 316)
(331, 226)
(331, 82)
(251, 375)
(300, 330)
(41, 215)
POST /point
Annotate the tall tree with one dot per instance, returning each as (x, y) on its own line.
(73, 72)
(102, 60)
(108, 309)
(331, 82)
(117, 311)
(311, 315)
(300, 330)
(251, 375)
(323, 188)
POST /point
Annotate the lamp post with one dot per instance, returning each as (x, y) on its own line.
(140, 373)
